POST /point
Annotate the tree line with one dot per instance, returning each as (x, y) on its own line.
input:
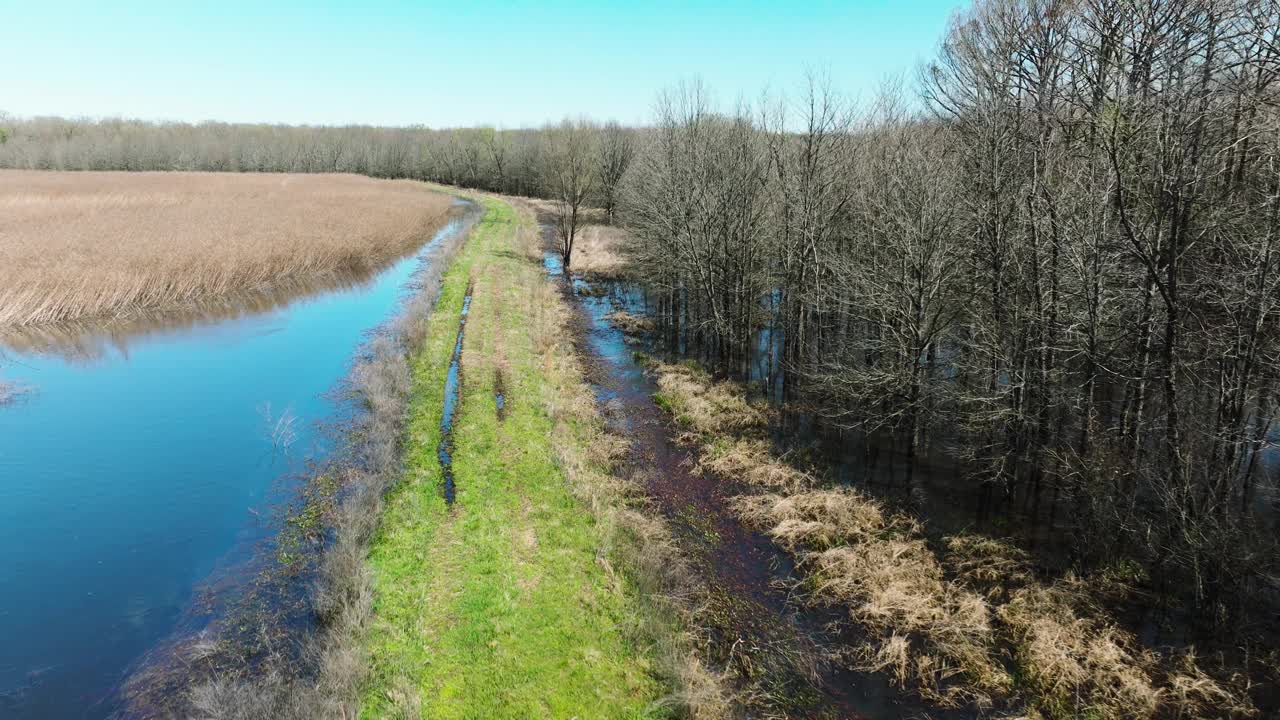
(576, 162)
(1059, 257)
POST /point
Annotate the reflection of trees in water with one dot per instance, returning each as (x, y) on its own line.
(88, 341)
(10, 390)
(91, 339)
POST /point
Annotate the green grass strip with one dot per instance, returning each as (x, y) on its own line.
(496, 608)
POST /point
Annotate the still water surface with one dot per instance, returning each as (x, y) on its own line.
(131, 474)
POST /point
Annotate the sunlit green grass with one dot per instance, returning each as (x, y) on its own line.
(496, 607)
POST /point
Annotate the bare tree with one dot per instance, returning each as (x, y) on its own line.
(570, 176)
(903, 282)
(617, 148)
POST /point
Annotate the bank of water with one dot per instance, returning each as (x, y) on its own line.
(753, 619)
(136, 477)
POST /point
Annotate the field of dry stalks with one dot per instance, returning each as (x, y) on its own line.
(106, 244)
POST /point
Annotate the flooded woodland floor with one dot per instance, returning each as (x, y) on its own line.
(776, 649)
(757, 626)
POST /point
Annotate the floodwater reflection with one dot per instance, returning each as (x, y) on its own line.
(148, 458)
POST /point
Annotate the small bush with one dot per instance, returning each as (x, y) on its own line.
(705, 406)
(987, 565)
(630, 324)
(1076, 666)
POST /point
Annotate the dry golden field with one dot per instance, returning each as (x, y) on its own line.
(598, 250)
(80, 245)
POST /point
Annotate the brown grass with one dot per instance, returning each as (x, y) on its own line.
(597, 248)
(987, 565)
(1194, 694)
(728, 428)
(820, 519)
(598, 251)
(930, 630)
(705, 407)
(629, 323)
(947, 626)
(751, 462)
(1076, 665)
(100, 244)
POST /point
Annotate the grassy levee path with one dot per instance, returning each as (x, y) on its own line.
(498, 606)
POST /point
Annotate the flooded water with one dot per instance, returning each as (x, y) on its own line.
(748, 574)
(146, 458)
(750, 567)
(452, 392)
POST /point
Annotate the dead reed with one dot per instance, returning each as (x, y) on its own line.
(975, 627)
(629, 323)
(103, 244)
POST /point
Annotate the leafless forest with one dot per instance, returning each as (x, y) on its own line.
(1053, 257)
(1060, 269)
(1066, 264)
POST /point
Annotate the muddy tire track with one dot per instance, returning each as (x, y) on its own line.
(500, 393)
(452, 401)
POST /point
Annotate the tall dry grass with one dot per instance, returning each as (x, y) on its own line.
(598, 249)
(717, 416)
(971, 625)
(629, 323)
(103, 244)
(710, 409)
(932, 631)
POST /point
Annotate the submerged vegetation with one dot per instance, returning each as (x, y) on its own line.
(10, 391)
(98, 246)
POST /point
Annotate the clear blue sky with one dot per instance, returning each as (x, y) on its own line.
(438, 64)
